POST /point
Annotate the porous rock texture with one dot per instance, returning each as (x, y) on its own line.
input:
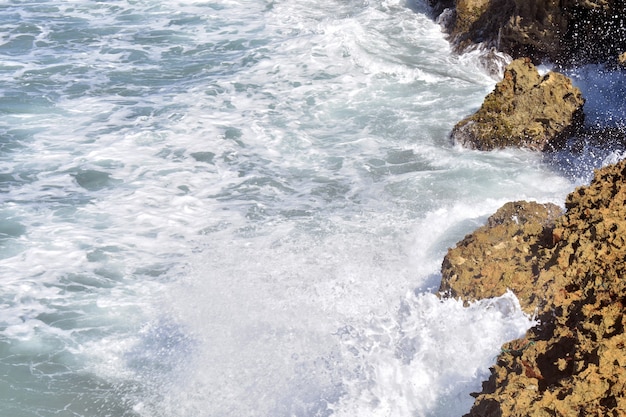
(563, 32)
(572, 271)
(524, 110)
(502, 255)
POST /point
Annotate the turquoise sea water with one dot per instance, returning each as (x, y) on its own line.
(240, 208)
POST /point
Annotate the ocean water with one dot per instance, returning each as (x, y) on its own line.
(240, 208)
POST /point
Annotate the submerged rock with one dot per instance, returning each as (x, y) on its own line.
(524, 110)
(573, 270)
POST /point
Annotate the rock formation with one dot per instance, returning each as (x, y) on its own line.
(524, 110)
(563, 32)
(572, 269)
(568, 269)
(502, 255)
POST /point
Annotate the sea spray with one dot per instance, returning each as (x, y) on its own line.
(240, 208)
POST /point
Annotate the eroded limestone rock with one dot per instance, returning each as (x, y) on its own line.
(503, 254)
(574, 271)
(564, 32)
(524, 110)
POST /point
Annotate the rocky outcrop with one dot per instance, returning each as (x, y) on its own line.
(563, 32)
(572, 269)
(503, 255)
(569, 269)
(524, 110)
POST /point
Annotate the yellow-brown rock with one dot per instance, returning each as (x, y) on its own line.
(524, 110)
(574, 361)
(501, 255)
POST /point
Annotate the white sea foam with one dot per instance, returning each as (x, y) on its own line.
(240, 208)
(428, 359)
(339, 342)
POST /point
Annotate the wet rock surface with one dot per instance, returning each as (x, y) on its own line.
(564, 32)
(503, 254)
(571, 270)
(524, 110)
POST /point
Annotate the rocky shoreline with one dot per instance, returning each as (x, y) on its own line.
(568, 268)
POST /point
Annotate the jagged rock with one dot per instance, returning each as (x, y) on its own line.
(472, 22)
(564, 32)
(524, 110)
(574, 361)
(501, 255)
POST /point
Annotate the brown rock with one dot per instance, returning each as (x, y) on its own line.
(524, 110)
(574, 361)
(501, 255)
(564, 32)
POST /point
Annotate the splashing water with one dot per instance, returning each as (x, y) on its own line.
(240, 208)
